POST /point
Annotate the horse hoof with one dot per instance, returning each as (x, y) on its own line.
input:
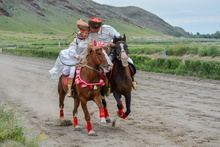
(78, 128)
(103, 121)
(103, 124)
(92, 133)
(108, 120)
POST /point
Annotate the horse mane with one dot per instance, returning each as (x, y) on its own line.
(92, 47)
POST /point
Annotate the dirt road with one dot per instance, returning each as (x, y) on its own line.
(167, 110)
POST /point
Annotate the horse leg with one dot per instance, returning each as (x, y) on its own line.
(75, 118)
(119, 104)
(101, 109)
(62, 95)
(108, 120)
(128, 105)
(87, 117)
(61, 105)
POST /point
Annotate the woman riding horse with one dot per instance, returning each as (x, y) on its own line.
(88, 84)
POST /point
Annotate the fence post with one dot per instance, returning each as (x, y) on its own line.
(165, 56)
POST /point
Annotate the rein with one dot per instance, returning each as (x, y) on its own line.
(90, 67)
(81, 64)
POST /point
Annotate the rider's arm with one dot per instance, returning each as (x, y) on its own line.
(72, 49)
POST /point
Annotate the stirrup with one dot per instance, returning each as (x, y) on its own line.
(108, 91)
(69, 93)
(134, 85)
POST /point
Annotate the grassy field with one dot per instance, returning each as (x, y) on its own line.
(179, 48)
(12, 133)
(144, 45)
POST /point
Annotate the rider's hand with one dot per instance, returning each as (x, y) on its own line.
(111, 44)
(79, 58)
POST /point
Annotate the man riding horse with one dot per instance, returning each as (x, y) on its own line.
(106, 33)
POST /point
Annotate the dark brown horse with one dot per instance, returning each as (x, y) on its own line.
(120, 78)
(88, 84)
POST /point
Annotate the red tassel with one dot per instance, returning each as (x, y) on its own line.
(89, 126)
(106, 112)
(75, 121)
(102, 113)
(61, 113)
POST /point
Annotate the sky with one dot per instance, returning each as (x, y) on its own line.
(193, 16)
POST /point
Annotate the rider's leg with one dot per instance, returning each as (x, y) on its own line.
(70, 81)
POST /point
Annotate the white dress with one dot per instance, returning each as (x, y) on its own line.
(67, 58)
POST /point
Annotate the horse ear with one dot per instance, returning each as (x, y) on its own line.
(124, 37)
(90, 48)
(94, 42)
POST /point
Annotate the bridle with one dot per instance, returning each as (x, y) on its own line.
(118, 56)
(97, 58)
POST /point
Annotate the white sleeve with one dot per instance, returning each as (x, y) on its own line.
(72, 49)
(113, 33)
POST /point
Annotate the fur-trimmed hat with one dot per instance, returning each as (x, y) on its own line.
(95, 22)
(82, 25)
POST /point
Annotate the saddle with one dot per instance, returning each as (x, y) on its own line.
(132, 69)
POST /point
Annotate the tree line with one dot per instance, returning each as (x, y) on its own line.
(215, 35)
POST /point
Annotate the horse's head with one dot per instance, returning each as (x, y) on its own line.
(121, 49)
(99, 56)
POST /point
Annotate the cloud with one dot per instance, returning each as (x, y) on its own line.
(190, 20)
(187, 14)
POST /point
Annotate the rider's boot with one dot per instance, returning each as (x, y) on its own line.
(108, 91)
(70, 83)
(134, 84)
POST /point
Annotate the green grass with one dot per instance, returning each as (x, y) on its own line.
(176, 48)
(50, 42)
(12, 132)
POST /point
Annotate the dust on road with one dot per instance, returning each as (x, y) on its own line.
(166, 110)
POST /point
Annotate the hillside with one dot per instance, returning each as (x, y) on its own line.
(60, 16)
